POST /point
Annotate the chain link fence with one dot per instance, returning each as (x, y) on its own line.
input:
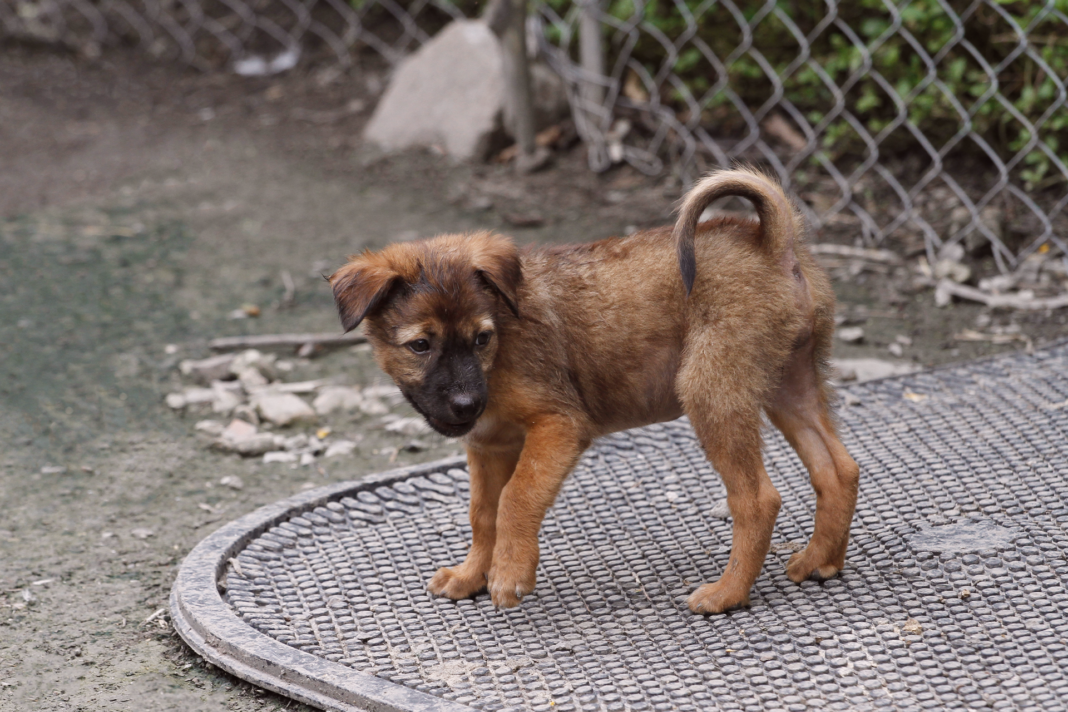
(926, 123)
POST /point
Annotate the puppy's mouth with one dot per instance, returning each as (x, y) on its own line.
(449, 430)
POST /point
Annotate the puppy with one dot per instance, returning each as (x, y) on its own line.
(529, 355)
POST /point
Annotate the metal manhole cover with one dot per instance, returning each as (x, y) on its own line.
(953, 596)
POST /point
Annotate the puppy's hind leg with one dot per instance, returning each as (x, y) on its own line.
(724, 409)
(800, 410)
(490, 471)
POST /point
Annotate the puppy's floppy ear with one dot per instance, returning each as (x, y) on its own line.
(360, 287)
(496, 262)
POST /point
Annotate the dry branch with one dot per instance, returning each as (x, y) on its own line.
(856, 253)
(282, 341)
(1002, 301)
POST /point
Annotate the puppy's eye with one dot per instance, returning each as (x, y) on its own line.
(419, 346)
(483, 338)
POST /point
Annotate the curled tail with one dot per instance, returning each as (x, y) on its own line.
(778, 218)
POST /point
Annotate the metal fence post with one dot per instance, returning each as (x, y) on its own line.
(508, 18)
(591, 52)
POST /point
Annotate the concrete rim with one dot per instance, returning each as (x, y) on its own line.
(209, 626)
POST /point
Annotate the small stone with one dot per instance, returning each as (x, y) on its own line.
(255, 446)
(720, 511)
(850, 334)
(216, 368)
(28, 596)
(211, 427)
(340, 448)
(252, 358)
(175, 401)
(408, 426)
(867, 369)
(142, 533)
(845, 373)
(247, 413)
(279, 457)
(307, 459)
(942, 297)
(903, 340)
(952, 270)
(233, 482)
(965, 594)
(53, 470)
(333, 398)
(896, 349)
(225, 401)
(912, 627)
(297, 442)
(850, 399)
(415, 446)
(390, 393)
(282, 408)
(196, 396)
(373, 406)
(243, 438)
(252, 380)
(239, 430)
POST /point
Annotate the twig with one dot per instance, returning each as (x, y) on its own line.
(291, 289)
(281, 341)
(969, 335)
(1006, 301)
(155, 615)
(885, 257)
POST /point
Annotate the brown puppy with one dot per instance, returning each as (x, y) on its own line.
(529, 355)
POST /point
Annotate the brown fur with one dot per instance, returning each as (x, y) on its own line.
(596, 338)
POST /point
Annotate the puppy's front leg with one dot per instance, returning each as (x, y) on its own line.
(552, 448)
(490, 470)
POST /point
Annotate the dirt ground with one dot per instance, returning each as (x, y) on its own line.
(139, 207)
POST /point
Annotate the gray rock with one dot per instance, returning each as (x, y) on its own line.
(282, 408)
(408, 426)
(243, 438)
(340, 447)
(850, 334)
(251, 379)
(333, 398)
(867, 369)
(257, 445)
(448, 93)
(216, 368)
(232, 481)
(451, 93)
(251, 358)
(225, 401)
(211, 427)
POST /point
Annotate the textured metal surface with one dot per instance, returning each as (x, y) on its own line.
(953, 596)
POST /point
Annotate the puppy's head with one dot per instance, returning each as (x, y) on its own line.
(432, 308)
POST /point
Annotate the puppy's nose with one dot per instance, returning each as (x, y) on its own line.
(465, 406)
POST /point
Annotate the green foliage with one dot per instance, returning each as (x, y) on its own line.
(931, 99)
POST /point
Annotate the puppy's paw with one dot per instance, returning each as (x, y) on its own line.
(807, 564)
(716, 598)
(457, 582)
(508, 584)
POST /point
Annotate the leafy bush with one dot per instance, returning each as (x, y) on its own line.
(878, 54)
